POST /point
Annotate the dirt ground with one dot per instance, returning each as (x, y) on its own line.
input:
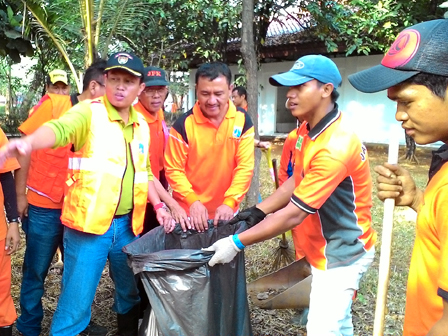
(259, 260)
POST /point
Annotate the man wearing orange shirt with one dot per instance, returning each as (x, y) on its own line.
(239, 98)
(415, 73)
(57, 82)
(328, 198)
(9, 240)
(286, 170)
(44, 174)
(209, 159)
(150, 105)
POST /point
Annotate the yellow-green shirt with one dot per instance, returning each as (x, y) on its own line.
(73, 127)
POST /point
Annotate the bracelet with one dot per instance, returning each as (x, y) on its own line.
(159, 206)
(238, 242)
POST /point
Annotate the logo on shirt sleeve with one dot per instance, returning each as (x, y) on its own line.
(237, 131)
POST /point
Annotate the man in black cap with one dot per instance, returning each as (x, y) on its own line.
(415, 73)
(109, 182)
(150, 105)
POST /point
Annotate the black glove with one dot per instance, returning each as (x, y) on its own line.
(251, 216)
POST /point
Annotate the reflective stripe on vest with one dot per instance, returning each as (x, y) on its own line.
(97, 171)
(48, 167)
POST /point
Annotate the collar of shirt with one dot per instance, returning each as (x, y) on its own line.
(201, 119)
(324, 123)
(148, 116)
(113, 113)
(439, 158)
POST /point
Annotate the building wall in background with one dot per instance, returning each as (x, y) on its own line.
(370, 114)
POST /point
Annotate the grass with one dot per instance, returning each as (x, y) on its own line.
(259, 260)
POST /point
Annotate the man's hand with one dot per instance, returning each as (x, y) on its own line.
(223, 212)
(165, 219)
(396, 182)
(264, 144)
(179, 215)
(13, 149)
(251, 216)
(198, 216)
(12, 238)
(225, 250)
(22, 206)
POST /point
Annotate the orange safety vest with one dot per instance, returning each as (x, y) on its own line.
(96, 174)
(48, 167)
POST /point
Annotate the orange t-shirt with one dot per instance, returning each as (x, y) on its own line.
(40, 114)
(334, 186)
(287, 159)
(211, 164)
(9, 165)
(428, 273)
(157, 134)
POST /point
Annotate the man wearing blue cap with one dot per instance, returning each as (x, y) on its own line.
(328, 198)
(109, 182)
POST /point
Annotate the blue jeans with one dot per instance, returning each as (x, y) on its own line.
(44, 230)
(84, 260)
(331, 297)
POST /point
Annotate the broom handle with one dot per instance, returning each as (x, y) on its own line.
(274, 166)
(277, 184)
(386, 242)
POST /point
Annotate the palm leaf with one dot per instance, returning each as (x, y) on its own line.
(39, 15)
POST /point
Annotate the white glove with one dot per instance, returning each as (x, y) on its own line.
(225, 250)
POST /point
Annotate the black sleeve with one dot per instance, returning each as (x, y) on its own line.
(248, 122)
(9, 191)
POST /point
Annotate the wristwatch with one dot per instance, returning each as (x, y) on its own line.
(16, 220)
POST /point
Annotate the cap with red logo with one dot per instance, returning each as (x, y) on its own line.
(125, 61)
(419, 48)
(155, 76)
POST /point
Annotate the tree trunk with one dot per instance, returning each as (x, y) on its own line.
(9, 96)
(250, 63)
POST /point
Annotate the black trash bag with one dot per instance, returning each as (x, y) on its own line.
(188, 297)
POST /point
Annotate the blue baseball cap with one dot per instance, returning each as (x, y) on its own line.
(307, 68)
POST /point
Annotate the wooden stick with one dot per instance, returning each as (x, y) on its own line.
(386, 242)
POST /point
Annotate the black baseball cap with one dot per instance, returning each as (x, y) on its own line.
(155, 76)
(419, 48)
(307, 68)
(126, 61)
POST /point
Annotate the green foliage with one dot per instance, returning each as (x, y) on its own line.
(366, 26)
(177, 31)
(12, 43)
(11, 122)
